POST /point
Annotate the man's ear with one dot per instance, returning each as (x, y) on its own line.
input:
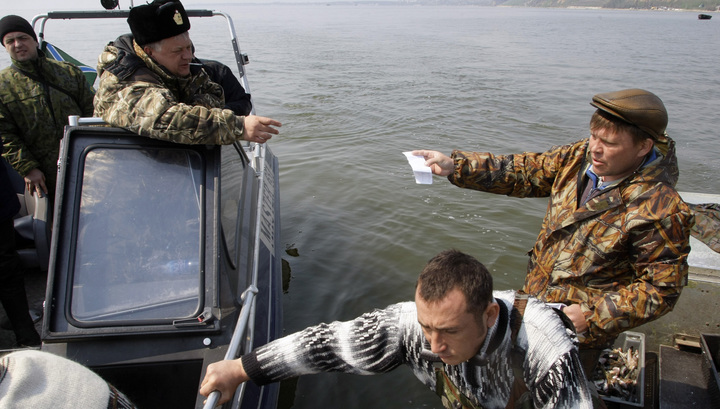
(645, 146)
(491, 314)
(148, 51)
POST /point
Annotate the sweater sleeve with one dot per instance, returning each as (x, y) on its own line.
(553, 371)
(367, 345)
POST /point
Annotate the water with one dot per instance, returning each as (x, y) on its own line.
(357, 85)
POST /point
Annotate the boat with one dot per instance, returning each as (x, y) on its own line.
(163, 258)
(702, 16)
(135, 317)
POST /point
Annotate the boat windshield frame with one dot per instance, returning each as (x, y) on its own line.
(124, 196)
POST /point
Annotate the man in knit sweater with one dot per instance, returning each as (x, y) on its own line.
(476, 348)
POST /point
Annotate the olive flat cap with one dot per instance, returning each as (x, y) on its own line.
(637, 107)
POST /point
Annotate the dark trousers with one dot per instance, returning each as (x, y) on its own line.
(12, 288)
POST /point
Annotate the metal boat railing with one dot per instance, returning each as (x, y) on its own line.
(240, 59)
(248, 307)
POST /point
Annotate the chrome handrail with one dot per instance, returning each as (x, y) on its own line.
(248, 297)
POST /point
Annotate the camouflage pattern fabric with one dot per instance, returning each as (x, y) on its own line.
(137, 94)
(450, 396)
(622, 256)
(707, 224)
(32, 115)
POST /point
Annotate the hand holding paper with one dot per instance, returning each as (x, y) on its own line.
(423, 174)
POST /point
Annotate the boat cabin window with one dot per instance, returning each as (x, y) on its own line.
(139, 253)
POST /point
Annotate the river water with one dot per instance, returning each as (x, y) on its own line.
(356, 85)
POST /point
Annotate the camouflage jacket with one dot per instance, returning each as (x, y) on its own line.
(622, 256)
(137, 94)
(33, 112)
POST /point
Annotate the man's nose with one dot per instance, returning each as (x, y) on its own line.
(437, 344)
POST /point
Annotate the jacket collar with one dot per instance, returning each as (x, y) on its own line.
(31, 66)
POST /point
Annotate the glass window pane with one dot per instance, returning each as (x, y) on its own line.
(139, 238)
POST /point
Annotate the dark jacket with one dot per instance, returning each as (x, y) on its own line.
(236, 99)
(137, 94)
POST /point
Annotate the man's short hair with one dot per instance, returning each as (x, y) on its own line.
(603, 120)
(451, 269)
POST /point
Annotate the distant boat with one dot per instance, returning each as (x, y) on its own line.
(704, 16)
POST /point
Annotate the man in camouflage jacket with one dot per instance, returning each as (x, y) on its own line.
(615, 254)
(37, 94)
(149, 86)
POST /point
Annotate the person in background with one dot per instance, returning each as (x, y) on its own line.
(149, 86)
(236, 99)
(474, 347)
(12, 284)
(37, 94)
(614, 242)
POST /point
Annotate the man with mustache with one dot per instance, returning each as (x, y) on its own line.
(614, 243)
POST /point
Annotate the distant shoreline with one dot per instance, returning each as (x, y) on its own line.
(460, 3)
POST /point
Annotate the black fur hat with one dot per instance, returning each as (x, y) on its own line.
(157, 21)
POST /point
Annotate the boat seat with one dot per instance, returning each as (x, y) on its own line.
(32, 223)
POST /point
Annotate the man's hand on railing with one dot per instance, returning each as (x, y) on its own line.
(223, 377)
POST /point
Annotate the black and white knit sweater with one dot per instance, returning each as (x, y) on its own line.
(382, 340)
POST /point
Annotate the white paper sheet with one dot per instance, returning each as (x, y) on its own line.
(423, 174)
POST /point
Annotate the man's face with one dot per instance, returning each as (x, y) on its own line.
(20, 46)
(175, 54)
(454, 334)
(614, 154)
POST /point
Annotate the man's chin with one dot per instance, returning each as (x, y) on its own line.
(450, 360)
(182, 73)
